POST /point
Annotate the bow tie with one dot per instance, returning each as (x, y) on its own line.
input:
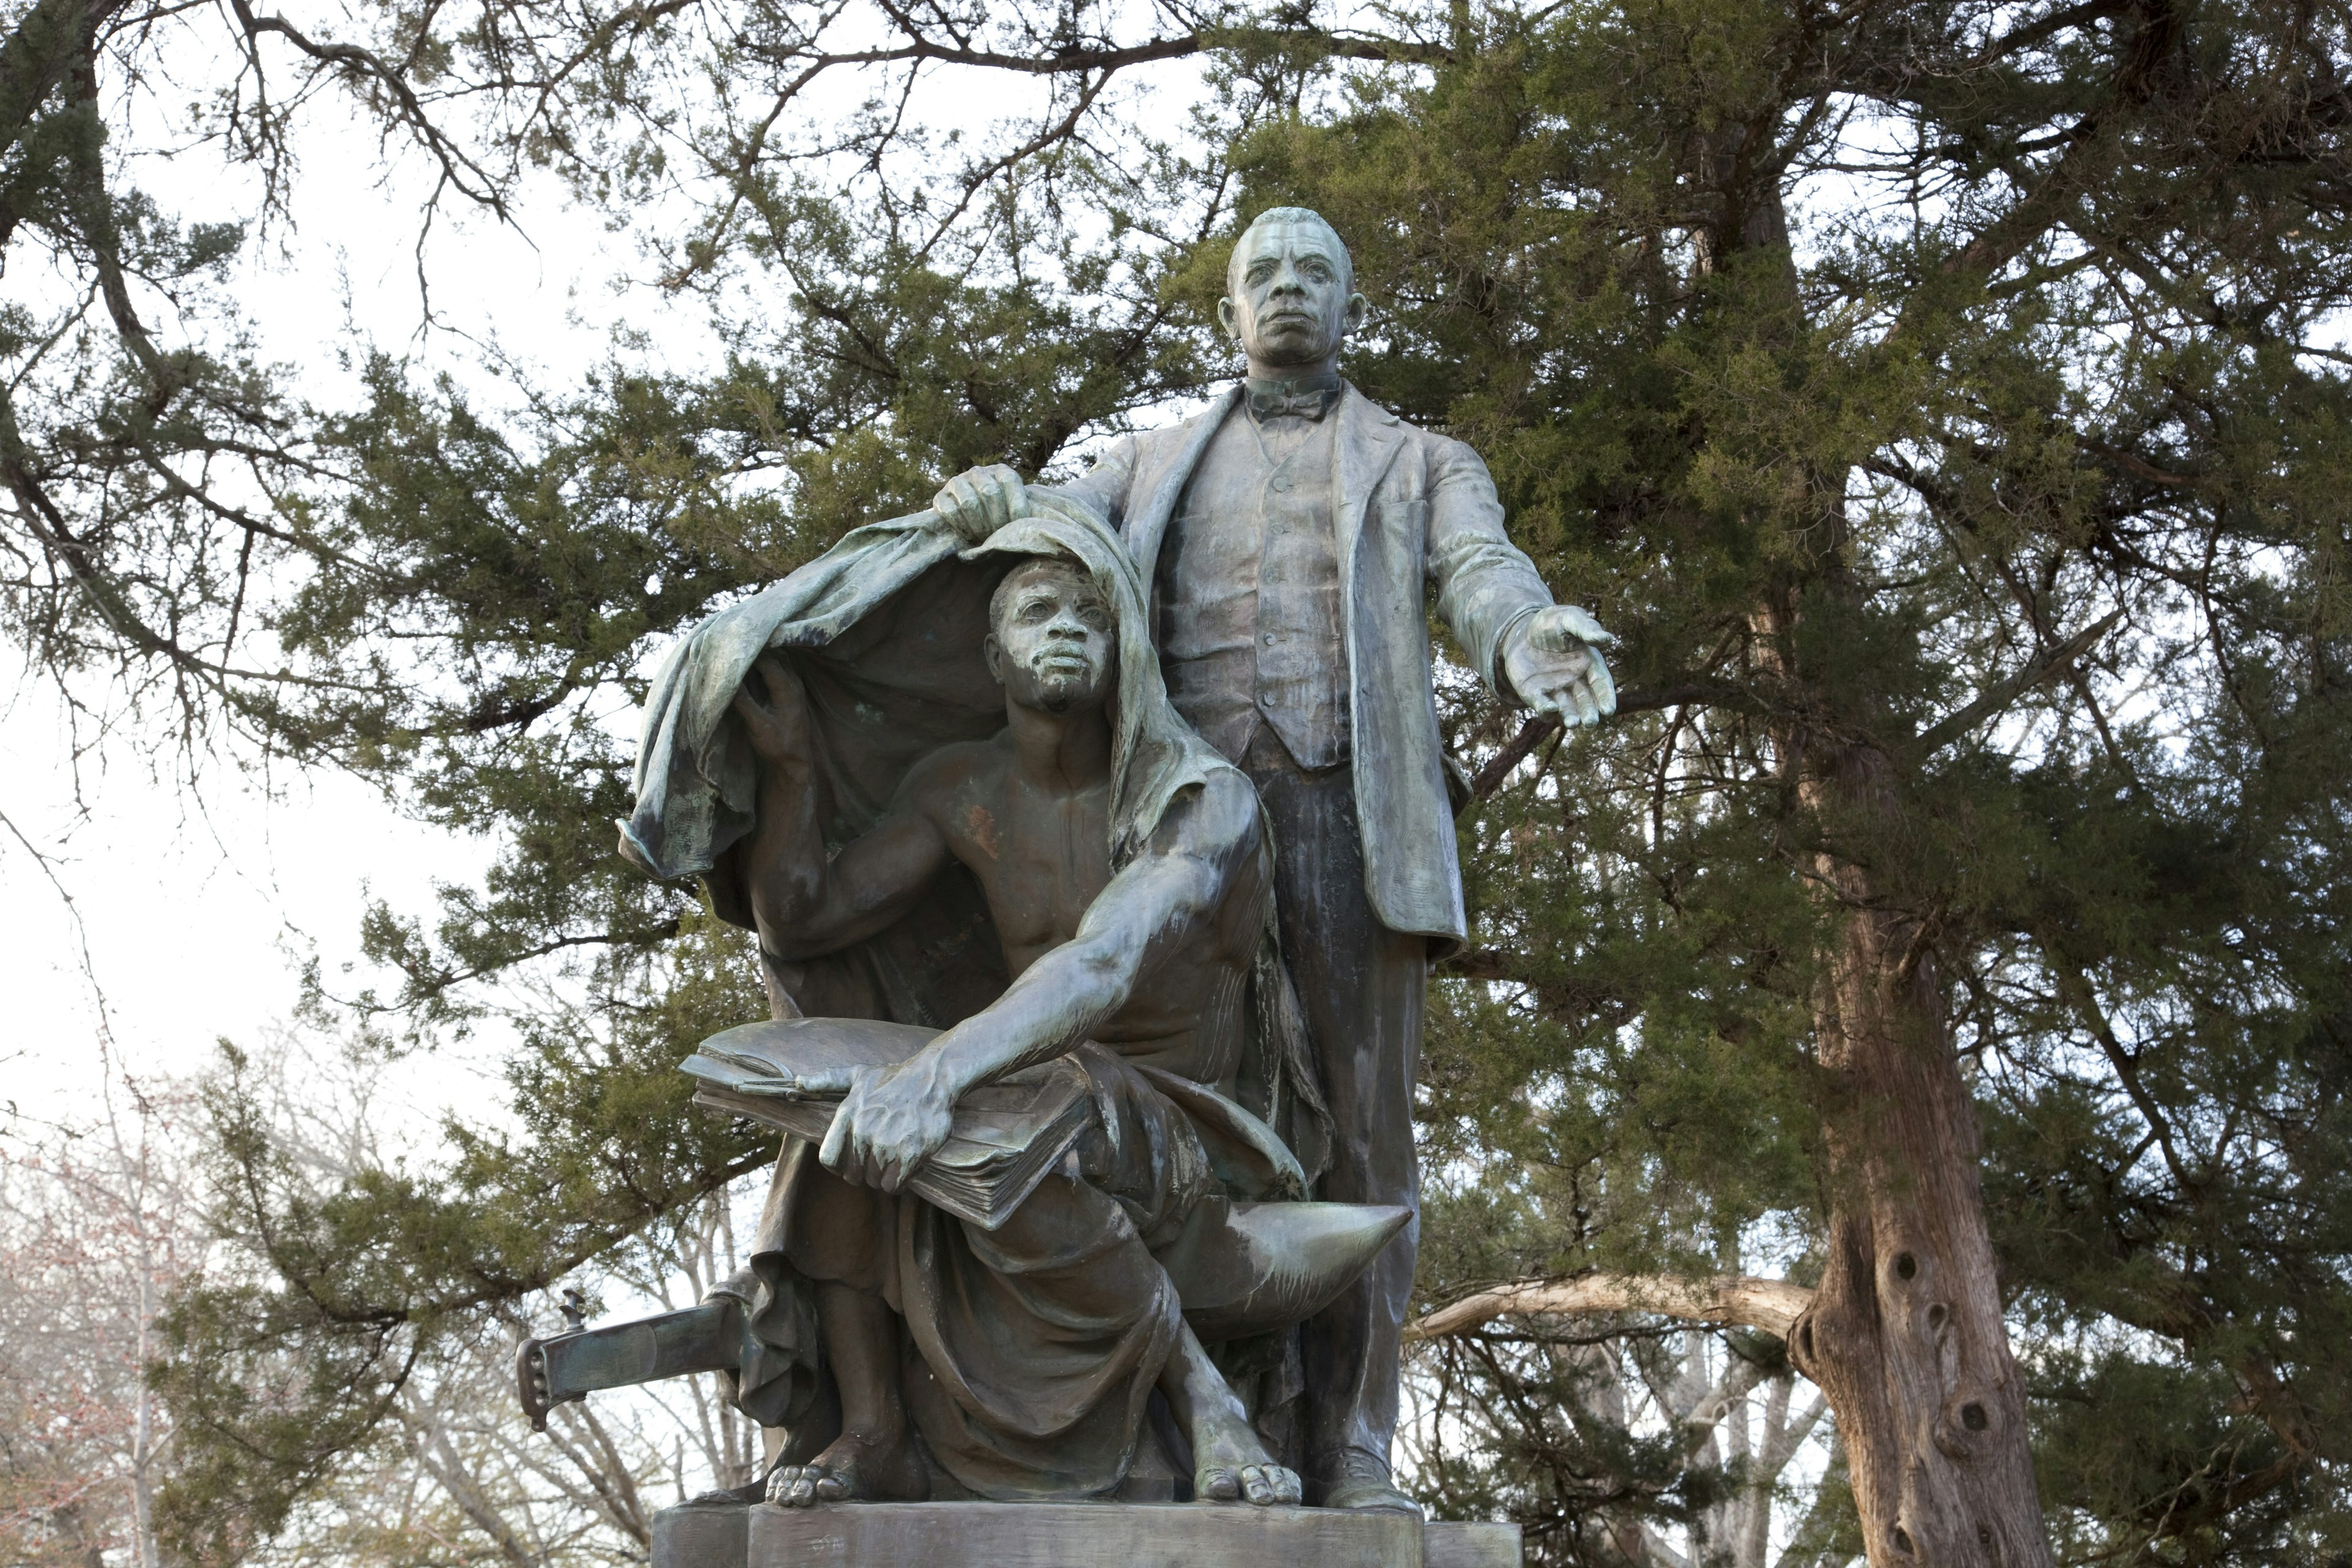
(1307, 400)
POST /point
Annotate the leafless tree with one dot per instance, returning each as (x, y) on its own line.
(97, 1221)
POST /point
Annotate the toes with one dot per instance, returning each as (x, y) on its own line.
(831, 1489)
(1256, 1487)
(1288, 1488)
(1220, 1486)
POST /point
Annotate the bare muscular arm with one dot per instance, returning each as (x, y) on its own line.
(805, 905)
(1153, 906)
(1204, 846)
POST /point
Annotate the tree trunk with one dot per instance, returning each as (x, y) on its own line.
(1904, 1334)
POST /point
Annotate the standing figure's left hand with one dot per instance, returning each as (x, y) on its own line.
(1553, 661)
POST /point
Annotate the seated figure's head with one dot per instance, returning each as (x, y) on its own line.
(1053, 640)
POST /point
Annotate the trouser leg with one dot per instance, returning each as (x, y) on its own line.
(1361, 987)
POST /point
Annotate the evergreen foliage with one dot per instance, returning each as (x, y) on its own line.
(1960, 389)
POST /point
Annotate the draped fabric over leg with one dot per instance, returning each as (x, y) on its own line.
(1033, 1349)
(1039, 1345)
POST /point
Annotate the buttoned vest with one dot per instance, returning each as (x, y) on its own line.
(1247, 591)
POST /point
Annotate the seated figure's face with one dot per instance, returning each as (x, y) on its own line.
(1052, 644)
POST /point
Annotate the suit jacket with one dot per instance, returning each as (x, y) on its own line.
(1410, 509)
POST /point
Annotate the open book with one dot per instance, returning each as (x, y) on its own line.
(1007, 1135)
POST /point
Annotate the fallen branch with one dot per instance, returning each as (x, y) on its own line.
(1771, 1305)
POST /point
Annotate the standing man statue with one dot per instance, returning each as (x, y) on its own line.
(1288, 532)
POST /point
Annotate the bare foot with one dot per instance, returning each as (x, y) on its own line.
(1230, 1464)
(852, 1470)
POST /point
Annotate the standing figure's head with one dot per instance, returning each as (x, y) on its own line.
(1290, 293)
(1052, 640)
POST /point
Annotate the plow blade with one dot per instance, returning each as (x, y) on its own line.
(551, 1371)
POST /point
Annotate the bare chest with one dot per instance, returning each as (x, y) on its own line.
(1041, 859)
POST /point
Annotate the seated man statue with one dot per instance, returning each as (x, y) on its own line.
(1126, 870)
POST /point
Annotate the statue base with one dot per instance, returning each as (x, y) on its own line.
(1067, 1535)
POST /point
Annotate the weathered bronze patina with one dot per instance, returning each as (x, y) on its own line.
(1122, 866)
(1291, 530)
(1139, 783)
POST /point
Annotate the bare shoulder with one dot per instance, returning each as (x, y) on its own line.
(950, 774)
(1218, 819)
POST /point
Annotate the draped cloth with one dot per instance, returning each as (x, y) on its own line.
(1035, 1346)
(884, 630)
(1034, 1349)
(893, 616)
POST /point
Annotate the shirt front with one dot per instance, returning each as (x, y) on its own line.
(1247, 589)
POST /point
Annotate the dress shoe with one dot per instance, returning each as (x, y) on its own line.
(1357, 1479)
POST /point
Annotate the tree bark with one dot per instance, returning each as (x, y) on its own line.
(1905, 1335)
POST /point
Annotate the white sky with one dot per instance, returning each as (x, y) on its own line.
(199, 904)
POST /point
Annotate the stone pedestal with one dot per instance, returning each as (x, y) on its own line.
(1067, 1535)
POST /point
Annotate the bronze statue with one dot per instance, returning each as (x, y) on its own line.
(1122, 960)
(1287, 532)
(1179, 908)
(1121, 868)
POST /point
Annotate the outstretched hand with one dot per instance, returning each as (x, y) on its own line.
(890, 1123)
(778, 723)
(979, 501)
(1553, 661)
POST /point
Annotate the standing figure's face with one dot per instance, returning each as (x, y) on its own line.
(1052, 644)
(1290, 294)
